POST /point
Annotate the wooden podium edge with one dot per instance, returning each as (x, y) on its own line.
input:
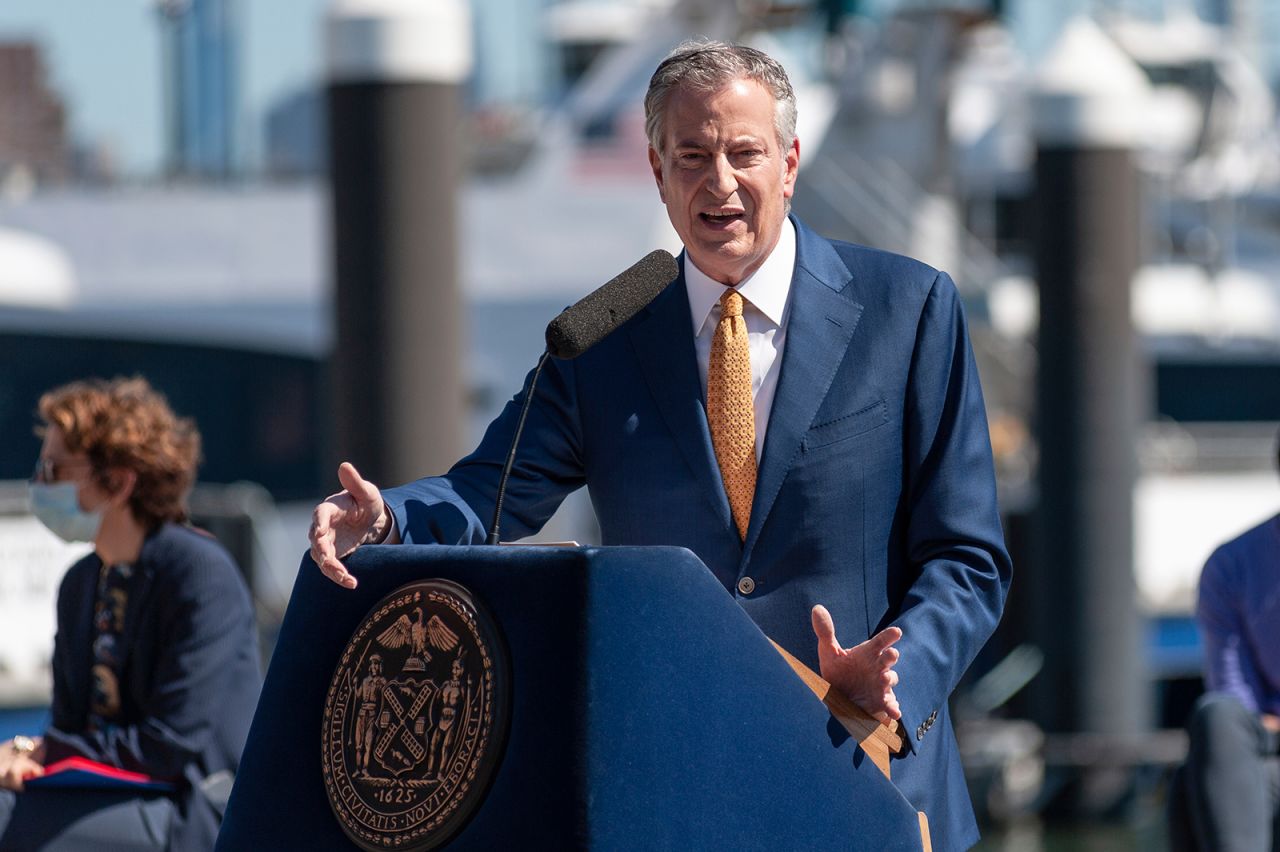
(925, 843)
(876, 740)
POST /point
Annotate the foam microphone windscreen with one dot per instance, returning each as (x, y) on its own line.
(584, 324)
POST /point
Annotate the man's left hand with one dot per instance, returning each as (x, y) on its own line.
(864, 672)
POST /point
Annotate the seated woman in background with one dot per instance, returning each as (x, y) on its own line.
(156, 661)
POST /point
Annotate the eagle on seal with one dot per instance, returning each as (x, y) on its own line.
(418, 635)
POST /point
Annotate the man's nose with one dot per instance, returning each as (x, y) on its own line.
(722, 181)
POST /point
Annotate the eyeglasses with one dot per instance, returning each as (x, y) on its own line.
(49, 470)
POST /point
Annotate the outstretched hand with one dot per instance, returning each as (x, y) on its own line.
(346, 520)
(864, 672)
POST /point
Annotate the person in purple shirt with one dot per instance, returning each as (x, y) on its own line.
(1227, 795)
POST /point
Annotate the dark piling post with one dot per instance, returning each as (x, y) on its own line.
(1091, 389)
(394, 102)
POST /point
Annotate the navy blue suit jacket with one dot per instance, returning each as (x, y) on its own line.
(189, 679)
(875, 496)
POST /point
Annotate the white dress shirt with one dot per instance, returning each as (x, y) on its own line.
(764, 295)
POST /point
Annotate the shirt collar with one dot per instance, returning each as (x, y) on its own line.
(766, 288)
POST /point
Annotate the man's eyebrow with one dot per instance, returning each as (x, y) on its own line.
(736, 141)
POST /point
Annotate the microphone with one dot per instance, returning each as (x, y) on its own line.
(583, 325)
(595, 315)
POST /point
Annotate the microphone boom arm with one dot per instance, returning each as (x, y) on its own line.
(511, 455)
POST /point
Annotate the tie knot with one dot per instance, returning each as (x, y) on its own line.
(731, 304)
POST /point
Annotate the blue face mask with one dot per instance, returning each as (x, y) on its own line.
(58, 508)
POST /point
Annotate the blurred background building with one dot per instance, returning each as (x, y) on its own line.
(164, 210)
(33, 134)
(200, 72)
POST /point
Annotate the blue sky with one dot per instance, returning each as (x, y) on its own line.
(103, 57)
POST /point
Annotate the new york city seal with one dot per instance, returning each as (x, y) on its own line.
(416, 718)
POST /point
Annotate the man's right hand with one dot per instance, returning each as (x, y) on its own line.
(346, 520)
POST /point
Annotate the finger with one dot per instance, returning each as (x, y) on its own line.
(360, 488)
(884, 639)
(823, 627)
(325, 568)
(323, 516)
(18, 771)
(321, 543)
(891, 678)
(889, 658)
(338, 573)
(321, 535)
(344, 577)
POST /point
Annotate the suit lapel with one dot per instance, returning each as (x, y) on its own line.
(663, 342)
(139, 590)
(80, 679)
(77, 679)
(133, 610)
(819, 328)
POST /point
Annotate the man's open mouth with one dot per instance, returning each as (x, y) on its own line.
(719, 218)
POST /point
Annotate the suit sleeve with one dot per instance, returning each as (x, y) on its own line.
(955, 543)
(204, 678)
(1229, 665)
(457, 508)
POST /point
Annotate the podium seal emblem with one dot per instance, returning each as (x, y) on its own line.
(416, 718)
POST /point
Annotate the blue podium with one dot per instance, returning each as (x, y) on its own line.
(647, 711)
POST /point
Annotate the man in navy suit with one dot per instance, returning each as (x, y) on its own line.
(874, 504)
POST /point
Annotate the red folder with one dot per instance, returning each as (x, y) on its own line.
(84, 774)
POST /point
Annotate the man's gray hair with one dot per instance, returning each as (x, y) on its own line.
(705, 66)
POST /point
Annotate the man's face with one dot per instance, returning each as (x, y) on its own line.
(723, 177)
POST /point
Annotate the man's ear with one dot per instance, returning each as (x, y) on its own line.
(790, 168)
(655, 163)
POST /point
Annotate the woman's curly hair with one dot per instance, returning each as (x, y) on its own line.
(125, 423)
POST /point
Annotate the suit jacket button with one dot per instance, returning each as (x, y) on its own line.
(746, 585)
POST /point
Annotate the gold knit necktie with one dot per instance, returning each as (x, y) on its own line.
(729, 409)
